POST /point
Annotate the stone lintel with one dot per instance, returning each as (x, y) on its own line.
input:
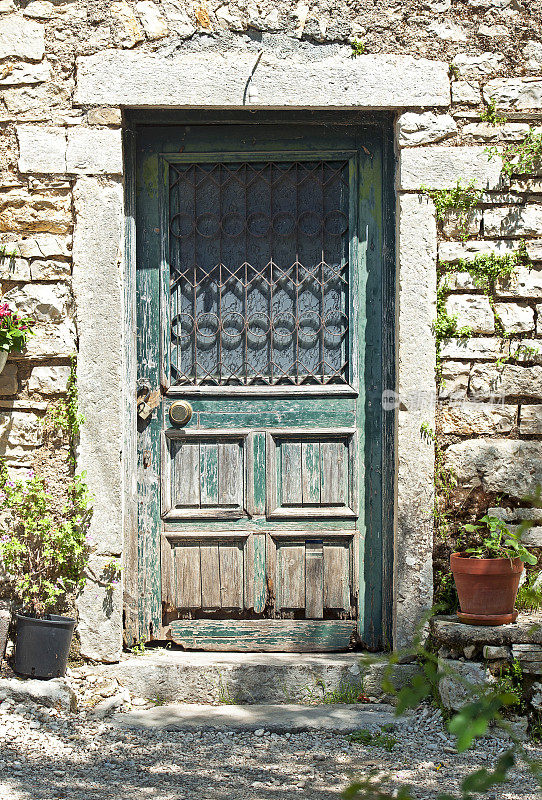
(210, 80)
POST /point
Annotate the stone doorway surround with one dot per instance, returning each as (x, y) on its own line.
(103, 277)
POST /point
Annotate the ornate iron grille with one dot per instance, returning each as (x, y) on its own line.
(259, 272)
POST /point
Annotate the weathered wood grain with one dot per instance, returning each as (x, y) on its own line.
(291, 575)
(209, 474)
(314, 580)
(231, 574)
(310, 462)
(188, 575)
(290, 473)
(230, 474)
(210, 575)
(336, 576)
(304, 636)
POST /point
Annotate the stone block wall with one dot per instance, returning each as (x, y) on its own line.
(67, 67)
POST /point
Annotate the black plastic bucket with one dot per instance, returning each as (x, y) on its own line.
(42, 645)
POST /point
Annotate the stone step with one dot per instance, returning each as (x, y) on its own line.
(272, 718)
(247, 678)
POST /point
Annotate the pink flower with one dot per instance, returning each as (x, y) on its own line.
(10, 484)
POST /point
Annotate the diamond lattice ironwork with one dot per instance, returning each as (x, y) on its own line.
(259, 272)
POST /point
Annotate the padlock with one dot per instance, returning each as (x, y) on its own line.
(144, 409)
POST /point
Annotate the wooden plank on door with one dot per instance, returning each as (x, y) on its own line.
(310, 469)
(333, 475)
(188, 576)
(291, 577)
(230, 475)
(269, 635)
(209, 474)
(290, 473)
(314, 580)
(260, 589)
(231, 574)
(336, 576)
(186, 480)
(210, 575)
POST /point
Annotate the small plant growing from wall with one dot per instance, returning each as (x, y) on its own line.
(461, 198)
(490, 114)
(523, 157)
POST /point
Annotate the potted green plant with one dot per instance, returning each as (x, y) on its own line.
(44, 549)
(14, 331)
(487, 573)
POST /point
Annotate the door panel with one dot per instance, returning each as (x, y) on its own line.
(253, 306)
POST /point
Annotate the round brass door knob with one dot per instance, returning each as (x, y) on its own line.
(180, 412)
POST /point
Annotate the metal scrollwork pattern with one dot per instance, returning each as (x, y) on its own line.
(259, 273)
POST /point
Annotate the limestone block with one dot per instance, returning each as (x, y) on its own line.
(41, 149)
(456, 225)
(51, 341)
(104, 116)
(493, 31)
(53, 693)
(475, 348)
(527, 185)
(456, 251)
(515, 318)
(129, 30)
(48, 380)
(466, 92)
(455, 380)
(19, 428)
(536, 699)
(94, 151)
(459, 687)
(472, 311)
(42, 302)
(47, 211)
(8, 380)
(100, 615)
(6, 6)
(530, 419)
(458, 281)
(513, 221)
(182, 25)
(539, 320)
(479, 66)
(440, 167)
(494, 652)
(21, 38)
(152, 20)
(25, 74)
(532, 53)
(526, 281)
(417, 305)
(514, 92)
(510, 380)
(415, 129)
(39, 9)
(41, 270)
(43, 246)
(477, 418)
(217, 79)
(532, 537)
(14, 269)
(484, 132)
(526, 350)
(510, 466)
(529, 657)
(97, 246)
(448, 31)
(5, 619)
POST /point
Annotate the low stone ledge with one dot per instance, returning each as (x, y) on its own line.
(54, 693)
(448, 631)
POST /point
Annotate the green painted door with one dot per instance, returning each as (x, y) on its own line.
(259, 293)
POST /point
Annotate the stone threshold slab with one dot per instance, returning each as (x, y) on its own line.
(272, 718)
(527, 630)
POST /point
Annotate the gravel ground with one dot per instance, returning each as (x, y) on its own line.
(46, 754)
(49, 755)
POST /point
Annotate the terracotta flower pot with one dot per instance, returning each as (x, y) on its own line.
(487, 588)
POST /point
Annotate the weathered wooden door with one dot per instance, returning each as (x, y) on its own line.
(259, 345)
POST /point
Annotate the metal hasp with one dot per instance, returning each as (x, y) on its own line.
(180, 413)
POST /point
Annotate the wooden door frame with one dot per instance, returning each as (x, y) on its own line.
(377, 547)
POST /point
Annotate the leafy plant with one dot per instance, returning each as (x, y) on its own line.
(358, 48)
(510, 682)
(490, 113)
(14, 329)
(44, 550)
(461, 198)
(521, 157)
(139, 648)
(372, 739)
(529, 597)
(497, 541)
(64, 415)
